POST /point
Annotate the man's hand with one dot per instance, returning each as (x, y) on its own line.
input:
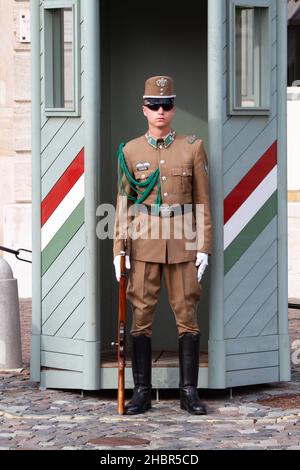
(201, 263)
(117, 264)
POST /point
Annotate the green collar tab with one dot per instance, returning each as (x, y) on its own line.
(167, 140)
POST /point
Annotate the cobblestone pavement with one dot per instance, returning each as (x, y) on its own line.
(256, 417)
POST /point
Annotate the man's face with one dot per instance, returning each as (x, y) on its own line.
(159, 118)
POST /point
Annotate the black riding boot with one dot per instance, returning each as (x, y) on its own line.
(141, 370)
(189, 366)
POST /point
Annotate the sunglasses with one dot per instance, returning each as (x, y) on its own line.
(166, 105)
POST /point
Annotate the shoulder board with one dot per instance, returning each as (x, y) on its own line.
(192, 138)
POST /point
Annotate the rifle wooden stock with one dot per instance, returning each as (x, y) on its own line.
(121, 336)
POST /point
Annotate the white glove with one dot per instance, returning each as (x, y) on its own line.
(201, 263)
(117, 260)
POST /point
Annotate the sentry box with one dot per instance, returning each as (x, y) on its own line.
(89, 62)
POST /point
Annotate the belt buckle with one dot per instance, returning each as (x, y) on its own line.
(165, 211)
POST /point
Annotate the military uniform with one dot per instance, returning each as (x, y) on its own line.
(182, 162)
(166, 241)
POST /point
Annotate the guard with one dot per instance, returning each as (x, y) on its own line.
(163, 211)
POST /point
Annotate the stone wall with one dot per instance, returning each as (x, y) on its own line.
(15, 136)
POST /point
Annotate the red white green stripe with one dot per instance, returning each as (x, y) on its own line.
(250, 206)
(62, 211)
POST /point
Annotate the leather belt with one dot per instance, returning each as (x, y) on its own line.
(165, 211)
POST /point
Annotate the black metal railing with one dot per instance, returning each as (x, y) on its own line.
(291, 305)
(17, 253)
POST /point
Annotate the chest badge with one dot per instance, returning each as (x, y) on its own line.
(142, 166)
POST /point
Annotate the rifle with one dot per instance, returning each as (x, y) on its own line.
(121, 334)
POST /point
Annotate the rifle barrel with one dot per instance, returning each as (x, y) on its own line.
(121, 336)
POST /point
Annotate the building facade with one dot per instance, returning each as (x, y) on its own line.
(15, 135)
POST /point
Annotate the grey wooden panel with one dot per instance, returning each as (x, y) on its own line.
(246, 138)
(225, 47)
(63, 286)
(250, 281)
(224, 95)
(272, 327)
(225, 52)
(73, 323)
(61, 361)
(62, 345)
(60, 165)
(274, 86)
(44, 118)
(252, 360)
(224, 11)
(42, 90)
(82, 92)
(274, 80)
(80, 333)
(62, 312)
(245, 161)
(273, 10)
(62, 379)
(252, 376)
(274, 30)
(250, 257)
(63, 261)
(262, 317)
(254, 301)
(233, 126)
(48, 134)
(50, 130)
(162, 377)
(82, 38)
(274, 55)
(250, 345)
(59, 142)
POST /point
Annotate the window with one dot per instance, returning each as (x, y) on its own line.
(249, 57)
(61, 58)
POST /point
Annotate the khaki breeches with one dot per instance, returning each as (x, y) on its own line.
(184, 291)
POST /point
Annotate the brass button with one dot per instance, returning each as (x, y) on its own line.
(143, 176)
(160, 146)
(184, 173)
(162, 162)
(164, 178)
(166, 194)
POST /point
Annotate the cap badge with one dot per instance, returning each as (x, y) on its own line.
(162, 82)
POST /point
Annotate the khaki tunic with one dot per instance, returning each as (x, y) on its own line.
(184, 180)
